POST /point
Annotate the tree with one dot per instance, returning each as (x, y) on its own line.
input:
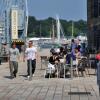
(37, 28)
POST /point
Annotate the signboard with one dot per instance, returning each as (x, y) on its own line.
(14, 24)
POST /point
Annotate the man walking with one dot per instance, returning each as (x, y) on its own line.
(31, 54)
(13, 60)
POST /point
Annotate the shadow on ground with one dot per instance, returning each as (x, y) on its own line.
(8, 77)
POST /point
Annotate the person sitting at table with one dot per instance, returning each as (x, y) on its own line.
(62, 58)
(61, 53)
(68, 58)
(53, 59)
(77, 55)
(79, 64)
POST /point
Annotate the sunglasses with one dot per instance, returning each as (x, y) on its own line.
(29, 43)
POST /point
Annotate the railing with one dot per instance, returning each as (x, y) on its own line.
(62, 69)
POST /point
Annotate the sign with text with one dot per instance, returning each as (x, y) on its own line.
(14, 24)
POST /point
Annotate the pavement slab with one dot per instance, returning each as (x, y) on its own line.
(40, 88)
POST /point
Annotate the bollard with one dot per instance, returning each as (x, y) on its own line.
(71, 67)
(30, 65)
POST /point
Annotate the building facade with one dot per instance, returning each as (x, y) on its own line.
(17, 23)
(93, 18)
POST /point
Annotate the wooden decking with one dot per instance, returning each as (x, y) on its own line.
(40, 88)
(20, 88)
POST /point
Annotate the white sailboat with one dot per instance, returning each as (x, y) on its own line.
(59, 31)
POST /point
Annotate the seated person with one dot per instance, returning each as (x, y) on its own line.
(53, 60)
(79, 61)
(68, 59)
(61, 53)
(77, 55)
(52, 50)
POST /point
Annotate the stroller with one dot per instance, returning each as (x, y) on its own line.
(82, 65)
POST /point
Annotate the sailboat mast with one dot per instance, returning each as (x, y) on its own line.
(58, 30)
(40, 30)
(53, 31)
(72, 29)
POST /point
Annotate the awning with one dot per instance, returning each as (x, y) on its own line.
(18, 41)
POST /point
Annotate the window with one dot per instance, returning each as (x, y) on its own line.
(95, 6)
(99, 7)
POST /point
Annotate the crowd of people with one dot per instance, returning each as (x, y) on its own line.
(63, 55)
(60, 55)
(76, 52)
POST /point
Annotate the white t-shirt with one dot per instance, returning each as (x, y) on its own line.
(31, 53)
(13, 53)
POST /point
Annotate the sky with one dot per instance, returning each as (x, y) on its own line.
(65, 9)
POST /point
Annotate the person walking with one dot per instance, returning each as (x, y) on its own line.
(31, 54)
(73, 46)
(13, 60)
(98, 69)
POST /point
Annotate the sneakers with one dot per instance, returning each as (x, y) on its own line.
(33, 75)
(15, 75)
(28, 76)
(12, 77)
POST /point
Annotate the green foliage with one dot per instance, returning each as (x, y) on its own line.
(43, 28)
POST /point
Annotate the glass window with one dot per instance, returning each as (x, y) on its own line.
(99, 7)
(95, 6)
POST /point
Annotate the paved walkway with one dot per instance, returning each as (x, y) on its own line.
(20, 88)
(45, 89)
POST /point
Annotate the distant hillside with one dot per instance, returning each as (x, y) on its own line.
(37, 28)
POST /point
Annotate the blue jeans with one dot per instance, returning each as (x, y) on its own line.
(98, 73)
(33, 65)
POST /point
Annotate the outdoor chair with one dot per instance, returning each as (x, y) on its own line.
(67, 69)
(43, 61)
(70, 69)
(82, 66)
(49, 73)
(50, 70)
